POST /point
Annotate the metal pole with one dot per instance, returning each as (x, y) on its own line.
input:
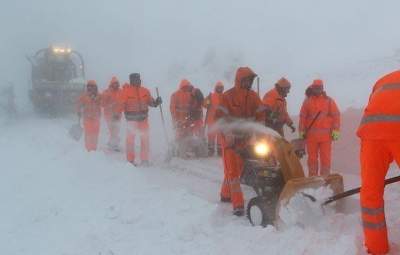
(162, 118)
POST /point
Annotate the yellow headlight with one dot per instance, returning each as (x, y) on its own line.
(262, 149)
(61, 50)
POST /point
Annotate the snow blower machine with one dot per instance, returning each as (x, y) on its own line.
(191, 144)
(273, 169)
(58, 78)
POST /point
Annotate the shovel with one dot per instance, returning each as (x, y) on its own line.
(75, 131)
(347, 193)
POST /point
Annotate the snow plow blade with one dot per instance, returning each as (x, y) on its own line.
(295, 180)
(292, 187)
(297, 185)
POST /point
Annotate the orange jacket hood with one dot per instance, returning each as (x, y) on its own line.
(184, 83)
(283, 83)
(112, 81)
(218, 84)
(243, 72)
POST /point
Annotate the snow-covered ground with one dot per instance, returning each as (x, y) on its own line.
(58, 199)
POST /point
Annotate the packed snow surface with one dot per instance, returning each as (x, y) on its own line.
(301, 210)
(58, 199)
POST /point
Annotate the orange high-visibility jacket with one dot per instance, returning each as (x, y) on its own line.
(110, 101)
(277, 104)
(135, 102)
(381, 118)
(89, 106)
(181, 100)
(328, 120)
(196, 106)
(214, 100)
(239, 103)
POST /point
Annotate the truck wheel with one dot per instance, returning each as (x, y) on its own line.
(257, 212)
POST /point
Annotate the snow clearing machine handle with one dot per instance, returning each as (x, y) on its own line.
(348, 192)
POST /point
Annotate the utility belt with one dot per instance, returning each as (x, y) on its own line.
(136, 116)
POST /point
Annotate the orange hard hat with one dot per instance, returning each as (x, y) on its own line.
(283, 83)
(317, 83)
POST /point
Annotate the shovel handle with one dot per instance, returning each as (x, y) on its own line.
(162, 117)
(356, 190)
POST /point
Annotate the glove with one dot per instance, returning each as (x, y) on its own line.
(292, 128)
(302, 134)
(335, 135)
(158, 101)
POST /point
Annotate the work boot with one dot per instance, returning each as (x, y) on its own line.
(238, 211)
(226, 199)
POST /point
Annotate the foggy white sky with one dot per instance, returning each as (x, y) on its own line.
(347, 43)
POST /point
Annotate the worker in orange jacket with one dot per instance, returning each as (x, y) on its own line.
(321, 109)
(239, 103)
(180, 108)
(275, 101)
(110, 103)
(135, 102)
(211, 103)
(186, 110)
(196, 113)
(380, 146)
(89, 107)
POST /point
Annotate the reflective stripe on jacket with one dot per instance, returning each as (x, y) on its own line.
(327, 121)
(135, 101)
(110, 101)
(239, 103)
(381, 119)
(181, 101)
(89, 106)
